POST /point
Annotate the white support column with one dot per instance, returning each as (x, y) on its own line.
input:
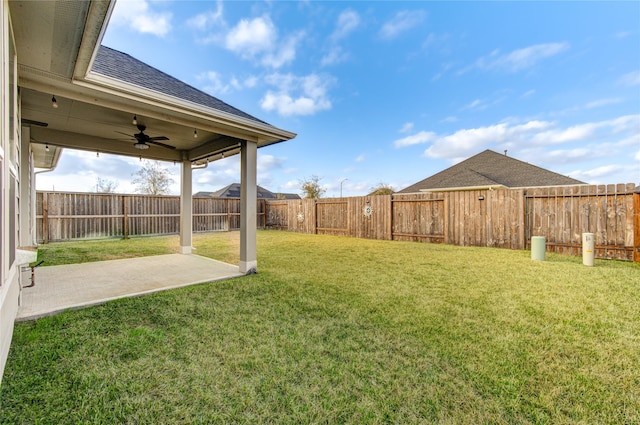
(27, 216)
(186, 208)
(248, 200)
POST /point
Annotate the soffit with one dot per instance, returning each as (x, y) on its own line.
(93, 112)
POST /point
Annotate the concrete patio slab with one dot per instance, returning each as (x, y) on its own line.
(70, 286)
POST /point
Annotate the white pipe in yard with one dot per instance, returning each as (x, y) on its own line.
(538, 247)
(588, 249)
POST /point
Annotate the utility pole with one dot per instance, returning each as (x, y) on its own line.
(342, 181)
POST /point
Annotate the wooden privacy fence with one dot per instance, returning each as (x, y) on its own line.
(504, 218)
(62, 216)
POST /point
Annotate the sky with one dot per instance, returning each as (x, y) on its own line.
(392, 92)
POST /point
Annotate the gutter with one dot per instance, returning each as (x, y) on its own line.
(461, 188)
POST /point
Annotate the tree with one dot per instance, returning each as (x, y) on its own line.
(152, 179)
(382, 189)
(106, 186)
(311, 188)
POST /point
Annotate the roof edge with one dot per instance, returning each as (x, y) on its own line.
(114, 86)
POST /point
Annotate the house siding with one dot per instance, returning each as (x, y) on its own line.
(10, 162)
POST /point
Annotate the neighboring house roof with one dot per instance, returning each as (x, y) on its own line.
(287, 196)
(126, 68)
(490, 168)
(233, 191)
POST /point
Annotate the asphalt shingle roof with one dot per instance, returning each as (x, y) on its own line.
(121, 66)
(490, 168)
(233, 191)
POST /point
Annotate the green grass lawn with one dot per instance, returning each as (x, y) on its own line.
(339, 330)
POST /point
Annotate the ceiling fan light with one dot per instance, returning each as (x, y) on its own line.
(140, 145)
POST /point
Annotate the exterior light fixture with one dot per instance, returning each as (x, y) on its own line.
(46, 147)
(480, 198)
(54, 102)
(134, 121)
(195, 133)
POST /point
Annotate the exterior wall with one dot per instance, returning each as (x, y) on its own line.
(10, 187)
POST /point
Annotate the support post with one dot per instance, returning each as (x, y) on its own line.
(248, 200)
(186, 208)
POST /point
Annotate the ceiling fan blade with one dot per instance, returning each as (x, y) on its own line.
(159, 138)
(129, 135)
(33, 122)
(160, 144)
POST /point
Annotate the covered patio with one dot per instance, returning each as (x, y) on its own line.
(77, 94)
(72, 286)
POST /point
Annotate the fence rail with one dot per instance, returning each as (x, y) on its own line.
(62, 216)
(504, 218)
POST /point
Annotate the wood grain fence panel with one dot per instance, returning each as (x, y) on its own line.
(302, 216)
(370, 217)
(66, 216)
(332, 216)
(636, 227)
(418, 218)
(498, 218)
(571, 211)
(277, 213)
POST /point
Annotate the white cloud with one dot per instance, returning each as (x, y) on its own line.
(292, 186)
(602, 102)
(360, 158)
(589, 131)
(528, 93)
(336, 55)
(207, 19)
(284, 53)
(595, 173)
(257, 39)
(472, 105)
(605, 136)
(415, 139)
(138, 16)
(212, 83)
(630, 79)
(439, 43)
(637, 157)
(481, 104)
(406, 127)
(347, 22)
(450, 118)
(517, 60)
(402, 21)
(268, 163)
(250, 38)
(297, 95)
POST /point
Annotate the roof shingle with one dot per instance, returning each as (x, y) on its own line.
(490, 168)
(121, 66)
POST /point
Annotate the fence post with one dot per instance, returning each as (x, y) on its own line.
(636, 226)
(390, 229)
(45, 217)
(125, 217)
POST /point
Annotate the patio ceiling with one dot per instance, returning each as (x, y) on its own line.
(56, 44)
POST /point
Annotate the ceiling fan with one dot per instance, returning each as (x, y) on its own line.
(143, 140)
